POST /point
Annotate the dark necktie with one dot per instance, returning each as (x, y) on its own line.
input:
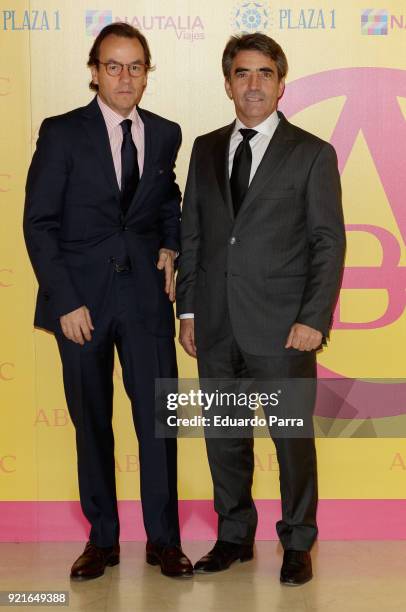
(130, 174)
(240, 175)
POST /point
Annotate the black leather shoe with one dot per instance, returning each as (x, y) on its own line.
(173, 561)
(93, 561)
(296, 567)
(222, 555)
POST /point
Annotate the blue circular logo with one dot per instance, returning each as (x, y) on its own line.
(250, 17)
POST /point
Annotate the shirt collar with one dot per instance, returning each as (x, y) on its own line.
(267, 127)
(112, 118)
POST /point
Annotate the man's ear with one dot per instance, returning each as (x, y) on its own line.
(95, 74)
(227, 87)
(281, 88)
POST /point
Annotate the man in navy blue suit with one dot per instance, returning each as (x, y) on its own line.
(101, 226)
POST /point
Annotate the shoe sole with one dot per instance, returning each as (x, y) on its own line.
(179, 576)
(296, 584)
(242, 559)
(85, 578)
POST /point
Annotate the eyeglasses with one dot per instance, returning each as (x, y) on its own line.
(264, 75)
(135, 69)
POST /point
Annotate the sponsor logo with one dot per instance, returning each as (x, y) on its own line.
(374, 22)
(378, 22)
(307, 19)
(250, 17)
(30, 20)
(185, 27)
(96, 21)
(369, 93)
(127, 463)
(386, 142)
(58, 417)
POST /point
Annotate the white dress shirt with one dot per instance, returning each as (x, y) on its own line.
(259, 144)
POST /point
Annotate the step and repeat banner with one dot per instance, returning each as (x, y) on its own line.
(347, 84)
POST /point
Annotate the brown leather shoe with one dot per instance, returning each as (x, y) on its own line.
(173, 561)
(222, 555)
(296, 568)
(93, 561)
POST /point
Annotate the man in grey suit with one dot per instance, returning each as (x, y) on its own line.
(262, 254)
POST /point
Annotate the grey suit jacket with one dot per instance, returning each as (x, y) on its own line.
(280, 261)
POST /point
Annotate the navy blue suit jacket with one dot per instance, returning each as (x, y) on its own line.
(73, 224)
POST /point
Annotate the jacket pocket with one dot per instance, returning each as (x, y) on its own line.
(286, 284)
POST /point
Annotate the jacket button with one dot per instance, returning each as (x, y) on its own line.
(124, 228)
(233, 240)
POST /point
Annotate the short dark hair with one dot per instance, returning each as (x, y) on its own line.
(125, 30)
(254, 42)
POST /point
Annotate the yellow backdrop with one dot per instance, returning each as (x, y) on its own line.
(43, 51)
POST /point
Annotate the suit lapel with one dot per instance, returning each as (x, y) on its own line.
(220, 159)
(96, 130)
(149, 148)
(280, 146)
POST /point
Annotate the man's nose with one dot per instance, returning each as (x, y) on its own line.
(254, 80)
(125, 74)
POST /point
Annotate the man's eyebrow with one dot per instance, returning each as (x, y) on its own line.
(264, 69)
(114, 61)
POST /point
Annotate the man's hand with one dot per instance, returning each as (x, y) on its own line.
(77, 325)
(166, 259)
(187, 336)
(303, 338)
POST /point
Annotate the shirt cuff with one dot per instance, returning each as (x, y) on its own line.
(187, 315)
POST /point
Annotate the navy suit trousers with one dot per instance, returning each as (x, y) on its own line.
(88, 381)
